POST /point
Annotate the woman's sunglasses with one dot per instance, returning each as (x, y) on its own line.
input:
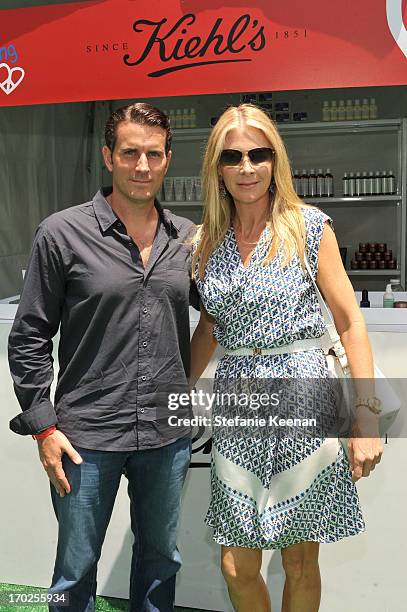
(233, 157)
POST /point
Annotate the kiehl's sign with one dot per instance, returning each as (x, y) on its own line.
(121, 49)
(178, 47)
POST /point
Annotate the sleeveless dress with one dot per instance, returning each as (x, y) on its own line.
(272, 490)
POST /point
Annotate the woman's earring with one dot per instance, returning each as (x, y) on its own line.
(272, 187)
(222, 189)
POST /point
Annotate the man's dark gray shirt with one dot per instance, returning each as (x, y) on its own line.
(124, 330)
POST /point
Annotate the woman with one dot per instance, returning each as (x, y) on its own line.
(267, 491)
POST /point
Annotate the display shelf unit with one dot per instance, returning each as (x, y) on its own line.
(358, 146)
(342, 146)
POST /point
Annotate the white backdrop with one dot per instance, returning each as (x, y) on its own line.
(49, 159)
(361, 574)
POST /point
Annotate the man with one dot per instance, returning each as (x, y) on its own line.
(114, 275)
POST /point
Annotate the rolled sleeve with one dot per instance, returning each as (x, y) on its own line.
(30, 341)
(35, 419)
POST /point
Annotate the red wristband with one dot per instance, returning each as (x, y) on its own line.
(44, 434)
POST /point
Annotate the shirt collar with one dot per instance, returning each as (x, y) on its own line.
(107, 217)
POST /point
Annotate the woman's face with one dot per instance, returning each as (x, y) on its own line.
(248, 182)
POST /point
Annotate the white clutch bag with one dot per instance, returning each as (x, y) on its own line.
(338, 367)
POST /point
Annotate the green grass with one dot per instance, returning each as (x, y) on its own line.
(103, 604)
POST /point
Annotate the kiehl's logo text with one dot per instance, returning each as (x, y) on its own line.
(175, 45)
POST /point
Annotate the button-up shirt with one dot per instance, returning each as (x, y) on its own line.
(124, 330)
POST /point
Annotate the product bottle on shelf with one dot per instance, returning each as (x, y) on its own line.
(329, 184)
(320, 183)
(178, 119)
(377, 190)
(365, 109)
(349, 110)
(372, 109)
(326, 113)
(357, 111)
(370, 184)
(364, 189)
(345, 183)
(341, 111)
(312, 184)
(334, 111)
(365, 302)
(296, 182)
(192, 118)
(358, 184)
(304, 184)
(186, 119)
(171, 117)
(391, 182)
(351, 185)
(388, 297)
(385, 183)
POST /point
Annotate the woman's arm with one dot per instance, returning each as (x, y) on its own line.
(203, 345)
(364, 451)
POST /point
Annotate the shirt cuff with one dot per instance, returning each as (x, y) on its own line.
(35, 419)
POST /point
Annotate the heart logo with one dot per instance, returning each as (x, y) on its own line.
(394, 11)
(11, 82)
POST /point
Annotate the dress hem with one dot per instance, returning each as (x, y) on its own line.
(274, 546)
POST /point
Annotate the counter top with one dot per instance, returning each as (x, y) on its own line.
(384, 319)
(377, 319)
(7, 312)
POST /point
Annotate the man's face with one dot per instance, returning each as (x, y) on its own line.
(138, 162)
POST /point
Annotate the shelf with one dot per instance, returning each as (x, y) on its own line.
(350, 127)
(322, 201)
(356, 200)
(373, 272)
(294, 127)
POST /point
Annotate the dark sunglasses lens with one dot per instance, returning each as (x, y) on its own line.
(230, 157)
(257, 156)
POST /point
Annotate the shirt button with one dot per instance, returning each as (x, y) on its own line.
(145, 311)
(141, 409)
(144, 344)
(144, 378)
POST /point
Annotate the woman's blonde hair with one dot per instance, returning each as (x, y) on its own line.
(286, 220)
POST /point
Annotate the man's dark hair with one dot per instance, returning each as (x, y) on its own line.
(141, 113)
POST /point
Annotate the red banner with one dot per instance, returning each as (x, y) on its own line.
(113, 49)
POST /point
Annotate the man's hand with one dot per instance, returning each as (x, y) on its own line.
(51, 450)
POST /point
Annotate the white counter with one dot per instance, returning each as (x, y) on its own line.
(361, 574)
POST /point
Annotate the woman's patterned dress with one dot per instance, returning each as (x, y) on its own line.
(273, 488)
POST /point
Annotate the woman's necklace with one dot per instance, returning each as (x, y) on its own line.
(253, 242)
(258, 232)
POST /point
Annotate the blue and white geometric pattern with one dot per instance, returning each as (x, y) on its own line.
(271, 491)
